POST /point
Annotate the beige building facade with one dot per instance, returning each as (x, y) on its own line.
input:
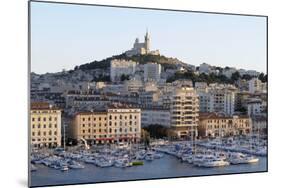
(184, 109)
(45, 122)
(213, 125)
(111, 126)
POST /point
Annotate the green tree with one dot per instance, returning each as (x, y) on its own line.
(124, 77)
(235, 76)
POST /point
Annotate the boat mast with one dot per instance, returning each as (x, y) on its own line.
(64, 137)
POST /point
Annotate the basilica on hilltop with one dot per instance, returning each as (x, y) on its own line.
(142, 47)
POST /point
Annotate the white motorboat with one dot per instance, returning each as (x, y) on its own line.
(149, 156)
(187, 158)
(104, 163)
(252, 159)
(122, 145)
(64, 168)
(33, 168)
(122, 163)
(212, 161)
(158, 155)
(75, 165)
(90, 161)
(196, 159)
(240, 158)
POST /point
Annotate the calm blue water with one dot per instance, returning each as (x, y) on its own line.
(168, 166)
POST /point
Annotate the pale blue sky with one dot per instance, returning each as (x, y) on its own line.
(63, 36)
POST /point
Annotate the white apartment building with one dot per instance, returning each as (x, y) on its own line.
(228, 71)
(256, 107)
(184, 110)
(152, 72)
(121, 67)
(133, 85)
(254, 85)
(217, 99)
(155, 116)
(204, 68)
(45, 125)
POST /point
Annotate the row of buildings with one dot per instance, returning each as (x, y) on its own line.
(124, 123)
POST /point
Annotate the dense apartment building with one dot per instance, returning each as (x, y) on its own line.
(45, 125)
(184, 110)
(217, 98)
(155, 116)
(214, 125)
(113, 125)
(152, 72)
(121, 67)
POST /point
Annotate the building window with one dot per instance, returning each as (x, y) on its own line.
(89, 130)
(39, 126)
(33, 119)
(120, 117)
(50, 118)
(89, 119)
(55, 125)
(56, 118)
(83, 119)
(39, 119)
(55, 133)
(38, 133)
(44, 119)
(44, 133)
(44, 126)
(100, 118)
(50, 125)
(50, 133)
(33, 133)
(33, 126)
(83, 125)
(110, 117)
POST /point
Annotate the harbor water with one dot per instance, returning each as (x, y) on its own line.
(166, 167)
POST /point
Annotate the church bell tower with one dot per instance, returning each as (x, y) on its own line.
(147, 42)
